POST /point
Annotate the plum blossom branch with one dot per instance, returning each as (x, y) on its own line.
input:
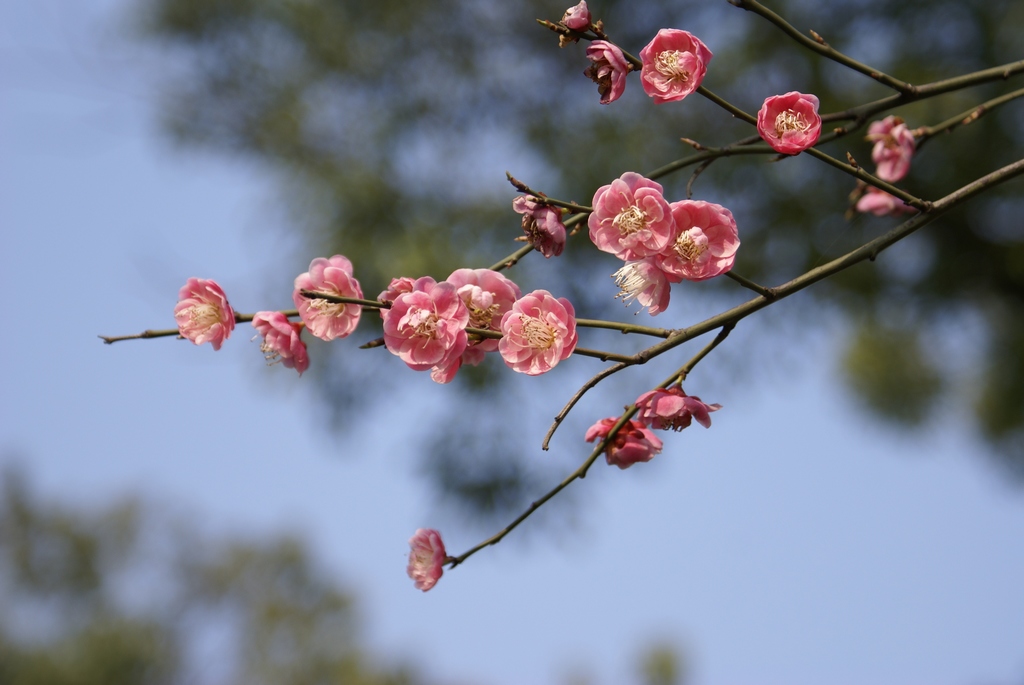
(727, 320)
(818, 45)
(578, 474)
(604, 373)
(169, 332)
(867, 251)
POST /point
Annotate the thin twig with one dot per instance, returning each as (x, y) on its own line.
(922, 134)
(818, 45)
(597, 378)
(168, 332)
(750, 285)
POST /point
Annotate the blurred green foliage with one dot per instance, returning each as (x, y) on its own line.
(122, 598)
(127, 596)
(378, 116)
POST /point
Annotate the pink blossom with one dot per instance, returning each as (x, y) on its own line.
(881, 203)
(281, 341)
(790, 122)
(203, 313)
(674, 64)
(542, 224)
(577, 17)
(632, 443)
(608, 70)
(631, 218)
(671, 408)
(537, 333)
(894, 147)
(426, 558)
(487, 295)
(706, 244)
(427, 328)
(328, 320)
(644, 282)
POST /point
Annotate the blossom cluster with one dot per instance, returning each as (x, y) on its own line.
(660, 242)
(204, 315)
(662, 409)
(441, 326)
(673, 65)
(426, 323)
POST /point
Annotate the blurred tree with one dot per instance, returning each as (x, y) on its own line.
(120, 597)
(379, 115)
(125, 597)
(662, 665)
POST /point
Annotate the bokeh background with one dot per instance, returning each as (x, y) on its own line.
(171, 514)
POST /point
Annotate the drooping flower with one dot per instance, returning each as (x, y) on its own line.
(203, 313)
(427, 328)
(631, 218)
(674, 64)
(608, 70)
(632, 443)
(426, 558)
(328, 320)
(537, 333)
(281, 340)
(577, 17)
(706, 243)
(893, 149)
(542, 224)
(672, 409)
(881, 203)
(790, 122)
(644, 282)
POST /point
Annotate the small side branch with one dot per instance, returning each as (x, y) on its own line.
(144, 335)
(923, 133)
(767, 293)
(818, 45)
(604, 373)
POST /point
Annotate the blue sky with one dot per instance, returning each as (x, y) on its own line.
(796, 541)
